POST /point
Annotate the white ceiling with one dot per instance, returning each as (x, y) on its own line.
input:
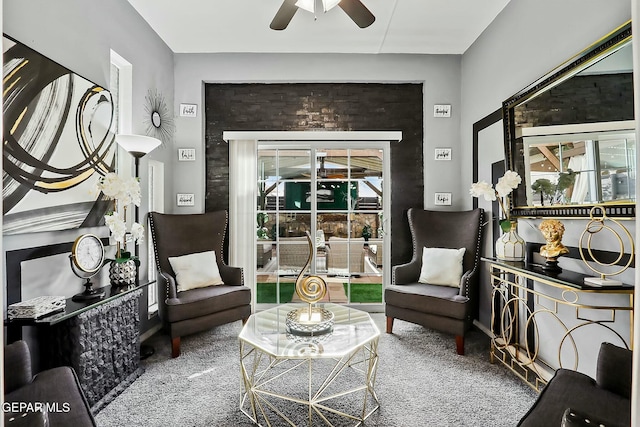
(401, 26)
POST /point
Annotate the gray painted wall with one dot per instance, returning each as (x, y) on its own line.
(440, 74)
(525, 41)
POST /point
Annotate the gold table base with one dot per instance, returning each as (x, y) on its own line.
(309, 389)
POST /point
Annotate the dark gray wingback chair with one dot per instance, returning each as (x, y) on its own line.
(57, 387)
(195, 310)
(447, 309)
(572, 399)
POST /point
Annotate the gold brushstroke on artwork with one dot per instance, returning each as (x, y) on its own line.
(66, 183)
(8, 88)
(18, 120)
(12, 73)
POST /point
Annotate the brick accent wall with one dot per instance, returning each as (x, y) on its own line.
(322, 106)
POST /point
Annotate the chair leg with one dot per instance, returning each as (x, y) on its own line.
(175, 347)
(389, 325)
(460, 344)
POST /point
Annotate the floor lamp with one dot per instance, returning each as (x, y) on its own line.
(138, 146)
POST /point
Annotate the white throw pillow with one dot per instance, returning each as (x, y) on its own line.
(441, 266)
(196, 270)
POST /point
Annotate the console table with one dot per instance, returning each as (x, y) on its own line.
(100, 339)
(564, 301)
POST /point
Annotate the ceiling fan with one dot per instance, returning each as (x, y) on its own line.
(357, 11)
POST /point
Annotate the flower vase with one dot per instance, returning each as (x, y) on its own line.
(510, 246)
(122, 273)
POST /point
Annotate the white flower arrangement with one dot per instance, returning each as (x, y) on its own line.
(125, 191)
(504, 187)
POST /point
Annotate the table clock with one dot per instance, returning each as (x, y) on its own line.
(86, 259)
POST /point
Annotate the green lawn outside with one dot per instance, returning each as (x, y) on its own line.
(360, 292)
(266, 293)
(365, 292)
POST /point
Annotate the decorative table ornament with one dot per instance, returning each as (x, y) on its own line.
(595, 226)
(310, 321)
(36, 308)
(124, 191)
(509, 246)
(552, 230)
(122, 273)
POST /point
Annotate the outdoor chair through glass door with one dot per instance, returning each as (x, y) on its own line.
(334, 192)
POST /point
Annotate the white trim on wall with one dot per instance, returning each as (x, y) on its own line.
(124, 91)
(635, 389)
(313, 136)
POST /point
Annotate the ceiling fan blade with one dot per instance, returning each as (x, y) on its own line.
(358, 12)
(284, 15)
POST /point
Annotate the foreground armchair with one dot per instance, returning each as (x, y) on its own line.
(572, 399)
(55, 390)
(196, 289)
(438, 288)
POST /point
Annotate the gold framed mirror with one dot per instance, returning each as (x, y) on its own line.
(571, 136)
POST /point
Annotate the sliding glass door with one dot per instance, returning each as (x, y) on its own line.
(334, 194)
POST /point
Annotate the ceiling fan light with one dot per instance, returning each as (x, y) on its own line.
(329, 4)
(308, 5)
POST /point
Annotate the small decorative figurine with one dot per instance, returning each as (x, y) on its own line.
(552, 230)
(309, 321)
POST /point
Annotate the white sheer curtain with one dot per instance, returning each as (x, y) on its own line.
(242, 207)
(581, 184)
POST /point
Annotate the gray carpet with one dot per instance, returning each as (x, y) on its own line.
(421, 381)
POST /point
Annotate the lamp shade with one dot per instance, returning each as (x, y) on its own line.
(137, 145)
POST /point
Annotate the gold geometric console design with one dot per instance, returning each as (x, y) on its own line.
(566, 304)
(600, 224)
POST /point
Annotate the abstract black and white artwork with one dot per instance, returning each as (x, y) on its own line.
(59, 138)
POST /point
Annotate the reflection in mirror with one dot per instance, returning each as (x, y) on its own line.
(591, 95)
(156, 120)
(579, 168)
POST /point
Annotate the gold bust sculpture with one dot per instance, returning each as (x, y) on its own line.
(552, 230)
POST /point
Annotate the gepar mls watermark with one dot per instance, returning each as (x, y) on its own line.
(49, 407)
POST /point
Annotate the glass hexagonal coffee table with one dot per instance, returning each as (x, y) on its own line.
(326, 379)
